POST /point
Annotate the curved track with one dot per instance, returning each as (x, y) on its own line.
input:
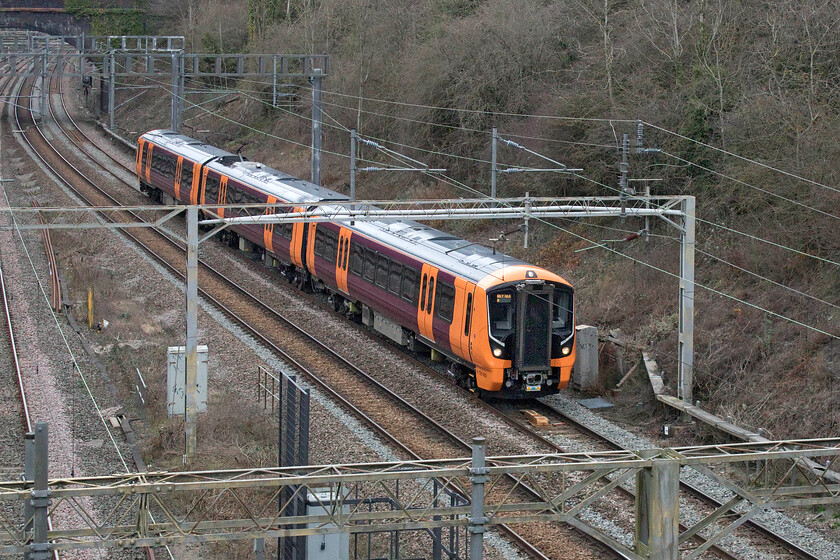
(91, 194)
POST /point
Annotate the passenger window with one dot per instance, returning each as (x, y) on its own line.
(431, 294)
(445, 302)
(211, 188)
(287, 230)
(357, 264)
(409, 285)
(186, 176)
(319, 242)
(423, 293)
(395, 278)
(340, 251)
(382, 271)
(468, 316)
(370, 265)
(329, 245)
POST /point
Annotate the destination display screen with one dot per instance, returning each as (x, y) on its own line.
(504, 298)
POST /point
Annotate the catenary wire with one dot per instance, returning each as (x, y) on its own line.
(743, 158)
(755, 187)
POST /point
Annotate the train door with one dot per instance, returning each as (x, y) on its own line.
(141, 146)
(204, 185)
(149, 151)
(268, 231)
(178, 169)
(310, 247)
(222, 195)
(297, 250)
(196, 181)
(343, 259)
(426, 303)
(459, 331)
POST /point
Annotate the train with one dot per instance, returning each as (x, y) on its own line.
(504, 327)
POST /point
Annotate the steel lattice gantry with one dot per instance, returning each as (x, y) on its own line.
(214, 506)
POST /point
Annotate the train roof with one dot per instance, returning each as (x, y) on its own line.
(463, 258)
(274, 182)
(186, 146)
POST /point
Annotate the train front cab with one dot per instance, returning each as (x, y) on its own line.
(525, 348)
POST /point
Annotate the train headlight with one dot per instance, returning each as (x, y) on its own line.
(497, 352)
(565, 351)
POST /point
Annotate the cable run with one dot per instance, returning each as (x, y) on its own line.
(744, 183)
(746, 159)
(477, 111)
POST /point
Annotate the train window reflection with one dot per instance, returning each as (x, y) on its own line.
(409, 285)
(394, 277)
(382, 271)
(357, 262)
(329, 246)
(370, 265)
(501, 313)
(561, 319)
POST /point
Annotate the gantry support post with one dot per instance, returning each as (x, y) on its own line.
(44, 85)
(274, 83)
(657, 509)
(686, 318)
(353, 137)
(177, 91)
(478, 477)
(28, 475)
(111, 89)
(624, 167)
(40, 547)
(316, 125)
(81, 48)
(191, 402)
(494, 168)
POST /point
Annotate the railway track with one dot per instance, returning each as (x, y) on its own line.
(381, 409)
(63, 395)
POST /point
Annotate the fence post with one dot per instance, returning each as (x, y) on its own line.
(478, 477)
(40, 548)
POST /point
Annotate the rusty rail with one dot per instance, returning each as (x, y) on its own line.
(55, 285)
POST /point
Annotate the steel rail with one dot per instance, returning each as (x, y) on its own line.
(687, 486)
(11, 86)
(27, 420)
(521, 541)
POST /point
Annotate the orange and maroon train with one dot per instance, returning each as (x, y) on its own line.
(505, 326)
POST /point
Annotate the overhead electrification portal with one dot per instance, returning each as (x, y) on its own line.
(678, 211)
